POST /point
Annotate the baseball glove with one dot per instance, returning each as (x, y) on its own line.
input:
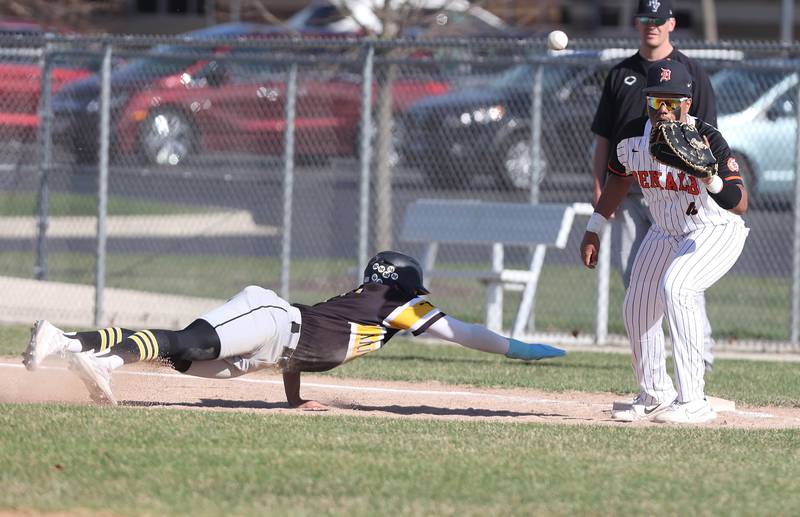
(679, 145)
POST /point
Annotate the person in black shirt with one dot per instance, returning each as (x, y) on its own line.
(622, 101)
(257, 329)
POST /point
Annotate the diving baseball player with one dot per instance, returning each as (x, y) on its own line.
(697, 236)
(257, 329)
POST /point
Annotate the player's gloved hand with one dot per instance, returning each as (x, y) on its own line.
(531, 351)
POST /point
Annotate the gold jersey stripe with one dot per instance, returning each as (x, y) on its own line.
(364, 339)
(410, 316)
(117, 335)
(136, 339)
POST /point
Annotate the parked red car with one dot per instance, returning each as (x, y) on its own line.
(167, 109)
(20, 80)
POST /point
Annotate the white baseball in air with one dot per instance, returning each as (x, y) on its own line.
(557, 40)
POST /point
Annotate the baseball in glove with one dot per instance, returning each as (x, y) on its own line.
(679, 145)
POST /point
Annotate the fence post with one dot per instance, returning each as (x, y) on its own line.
(102, 185)
(288, 181)
(45, 160)
(603, 274)
(794, 317)
(366, 158)
(536, 157)
(536, 133)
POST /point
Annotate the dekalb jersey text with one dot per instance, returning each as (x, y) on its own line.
(679, 204)
(678, 181)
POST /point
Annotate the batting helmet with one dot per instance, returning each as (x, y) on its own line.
(394, 268)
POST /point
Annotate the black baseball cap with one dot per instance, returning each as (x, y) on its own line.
(668, 76)
(654, 9)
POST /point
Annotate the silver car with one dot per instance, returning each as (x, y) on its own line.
(757, 115)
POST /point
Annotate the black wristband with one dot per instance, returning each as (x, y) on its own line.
(729, 196)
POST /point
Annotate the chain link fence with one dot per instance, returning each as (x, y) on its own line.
(146, 179)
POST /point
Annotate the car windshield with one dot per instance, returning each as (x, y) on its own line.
(162, 60)
(736, 89)
(170, 59)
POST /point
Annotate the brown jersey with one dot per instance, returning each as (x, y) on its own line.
(355, 323)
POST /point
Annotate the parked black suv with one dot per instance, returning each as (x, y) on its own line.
(486, 129)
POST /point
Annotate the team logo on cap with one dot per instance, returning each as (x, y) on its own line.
(654, 5)
(666, 75)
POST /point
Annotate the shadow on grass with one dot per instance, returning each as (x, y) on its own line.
(209, 403)
(444, 411)
(549, 363)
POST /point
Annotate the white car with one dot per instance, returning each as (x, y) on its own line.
(757, 115)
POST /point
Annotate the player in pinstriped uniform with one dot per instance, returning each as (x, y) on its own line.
(257, 329)
(622, 101)
(696, 237)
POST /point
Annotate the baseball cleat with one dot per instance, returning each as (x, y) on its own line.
(46, 340)
(95, 376)
(694, 412)
(637, 410)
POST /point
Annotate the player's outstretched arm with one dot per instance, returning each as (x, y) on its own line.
(291, 386)
(480, 338)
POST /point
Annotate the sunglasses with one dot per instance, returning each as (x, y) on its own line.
(671, 103)
(646, 20)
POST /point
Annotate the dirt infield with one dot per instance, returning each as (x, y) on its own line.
(262, 393)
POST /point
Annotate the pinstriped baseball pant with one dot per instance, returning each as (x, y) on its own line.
(669, 273)
(632, 222)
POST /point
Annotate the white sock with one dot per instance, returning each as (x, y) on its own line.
(74, 346)
(111, 361)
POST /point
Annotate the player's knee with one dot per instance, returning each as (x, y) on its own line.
(674, 294)
(197, 342)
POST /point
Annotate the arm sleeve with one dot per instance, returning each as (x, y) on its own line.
(469, 335)
(727, 167)
(615, 166)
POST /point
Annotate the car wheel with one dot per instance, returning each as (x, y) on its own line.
(167, 137)
(515, 168)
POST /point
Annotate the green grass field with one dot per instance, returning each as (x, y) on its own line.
(62, 204)
(138, 462)
(133, 461)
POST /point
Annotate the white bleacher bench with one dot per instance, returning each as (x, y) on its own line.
(539, 226)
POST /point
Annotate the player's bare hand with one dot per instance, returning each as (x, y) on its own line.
(589, 249)
(310, 405)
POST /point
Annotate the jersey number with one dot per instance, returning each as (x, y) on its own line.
(364, 339)
(691, 209)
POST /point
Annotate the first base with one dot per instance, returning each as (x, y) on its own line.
(721, 405)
